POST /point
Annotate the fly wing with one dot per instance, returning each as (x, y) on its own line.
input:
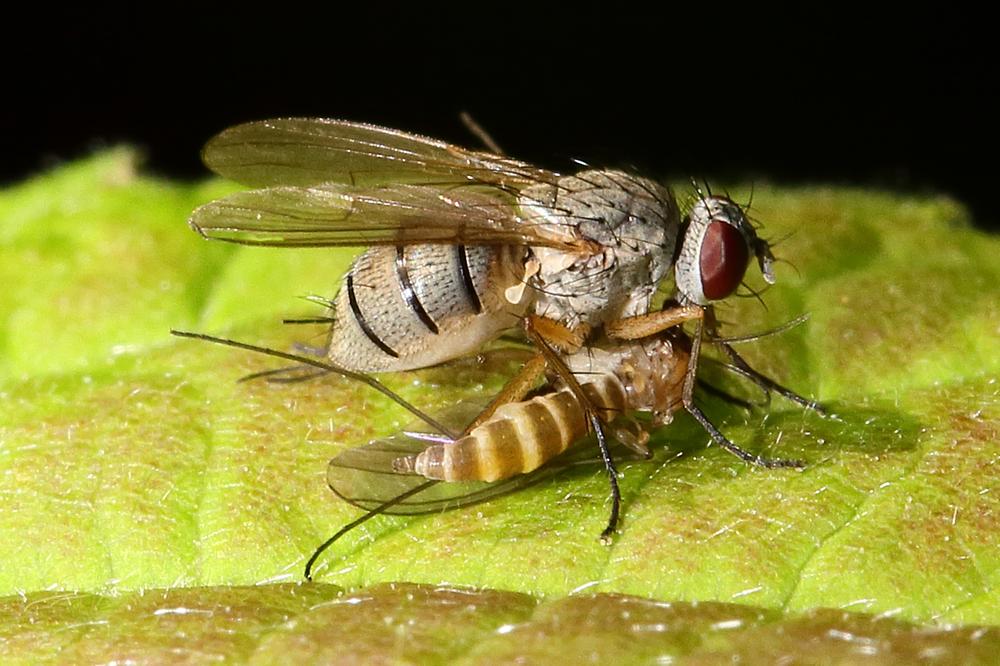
(342, 215)
(364, 476)
(309, 151)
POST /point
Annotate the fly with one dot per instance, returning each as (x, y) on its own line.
(512, 443)
(466, 245)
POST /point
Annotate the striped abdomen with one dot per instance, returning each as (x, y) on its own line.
(519, 437)
(412, 306)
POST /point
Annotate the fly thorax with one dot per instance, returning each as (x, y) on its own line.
(624, 227)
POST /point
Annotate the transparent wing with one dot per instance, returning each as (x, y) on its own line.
(335, 214)
(308, 151)
(364, 476)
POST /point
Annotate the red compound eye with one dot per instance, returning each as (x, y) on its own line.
(723, 261)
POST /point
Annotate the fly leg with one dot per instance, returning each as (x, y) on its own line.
(714, 433)
(766, 383)
(740, 365)
(380, 509)
(646, 325)
(516, 389)
(322, 365)
(477, 130)
(641, 326)
(533, 327)
(329, 367)
(556, 335)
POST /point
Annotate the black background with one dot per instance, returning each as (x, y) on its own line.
(819, 94)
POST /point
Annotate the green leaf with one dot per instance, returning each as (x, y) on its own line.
(132, 460)
(404, 623)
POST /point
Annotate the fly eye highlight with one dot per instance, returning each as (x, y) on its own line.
(718, 244)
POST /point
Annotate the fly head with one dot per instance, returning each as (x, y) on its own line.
(718, 243)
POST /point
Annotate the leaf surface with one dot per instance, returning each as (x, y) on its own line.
(131, 460)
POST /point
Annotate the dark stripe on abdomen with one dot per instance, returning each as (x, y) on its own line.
(403, 275)
(467, 281)
(360, 318)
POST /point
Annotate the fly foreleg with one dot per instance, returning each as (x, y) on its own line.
(651, 323)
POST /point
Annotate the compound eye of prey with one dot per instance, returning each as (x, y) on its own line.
(723, 260)
(718, 243)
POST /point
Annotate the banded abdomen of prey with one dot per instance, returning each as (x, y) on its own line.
(618, 378)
